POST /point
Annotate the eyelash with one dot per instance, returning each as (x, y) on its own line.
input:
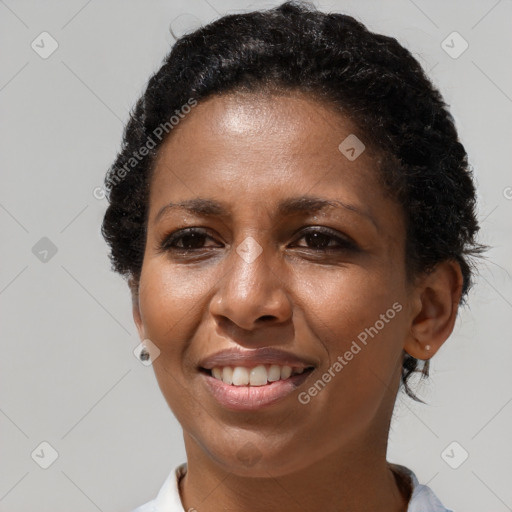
(344, 243)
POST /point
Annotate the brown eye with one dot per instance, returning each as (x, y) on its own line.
(326, 240)
(189, 239)
(318, 240)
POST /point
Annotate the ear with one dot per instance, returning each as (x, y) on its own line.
(133, 283)
(435, 305)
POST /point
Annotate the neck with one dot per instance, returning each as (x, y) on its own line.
(359, 479)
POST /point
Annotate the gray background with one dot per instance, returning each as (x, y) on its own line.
(68, 374)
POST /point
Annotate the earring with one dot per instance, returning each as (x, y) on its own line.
(144, 354)
(427, 347)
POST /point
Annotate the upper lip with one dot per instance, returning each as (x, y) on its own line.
(253, 357)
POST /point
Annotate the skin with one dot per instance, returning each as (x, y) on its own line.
(251, 152)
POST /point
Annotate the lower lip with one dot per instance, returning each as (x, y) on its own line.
(250, 398)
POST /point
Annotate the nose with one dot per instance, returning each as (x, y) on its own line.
(252, 293)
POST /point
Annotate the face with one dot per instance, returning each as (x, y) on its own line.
(295, 247)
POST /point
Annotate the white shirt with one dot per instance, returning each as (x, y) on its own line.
(168, 498)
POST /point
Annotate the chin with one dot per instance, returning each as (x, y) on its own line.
(251, 461)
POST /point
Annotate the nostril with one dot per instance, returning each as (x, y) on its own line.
(266, 318)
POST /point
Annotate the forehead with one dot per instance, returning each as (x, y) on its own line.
(263, 144)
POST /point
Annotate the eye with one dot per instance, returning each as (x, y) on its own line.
(325, 239)
(317, 239)
(189, 239)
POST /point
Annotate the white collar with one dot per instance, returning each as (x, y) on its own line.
(168, 498)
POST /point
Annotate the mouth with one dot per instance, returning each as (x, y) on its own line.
(242, 388)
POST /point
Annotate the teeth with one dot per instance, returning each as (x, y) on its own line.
(274, 373)
(227, 374)
(286, 371)
(258, 376)
(240, 376)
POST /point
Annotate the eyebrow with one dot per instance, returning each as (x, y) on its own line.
(293, 205)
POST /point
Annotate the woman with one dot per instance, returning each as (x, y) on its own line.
(295, 217)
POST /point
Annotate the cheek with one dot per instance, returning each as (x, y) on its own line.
(348, 300)
(172, 303)
(357, 316)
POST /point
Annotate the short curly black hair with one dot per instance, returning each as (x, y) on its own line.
(333, 57)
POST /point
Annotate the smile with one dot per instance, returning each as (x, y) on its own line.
(244, 388)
